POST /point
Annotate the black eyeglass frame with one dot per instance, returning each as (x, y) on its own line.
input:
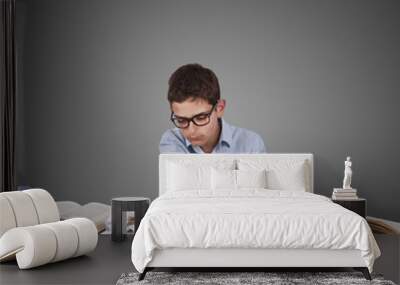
(188, 120)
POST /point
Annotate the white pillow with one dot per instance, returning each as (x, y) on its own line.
(251, 178)
(223, 179)
(237, 179)
(282, 174)
(184, 177)
(193, 172)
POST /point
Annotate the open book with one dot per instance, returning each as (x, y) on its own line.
(97, 212)
(382, 226)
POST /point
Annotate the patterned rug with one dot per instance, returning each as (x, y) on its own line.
(228, 278)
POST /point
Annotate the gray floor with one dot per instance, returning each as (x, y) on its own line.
(388, 263)
(102, 266)
(111, 259)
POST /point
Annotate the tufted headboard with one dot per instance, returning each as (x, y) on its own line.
(215, 157)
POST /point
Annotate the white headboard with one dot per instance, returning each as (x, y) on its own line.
(164, 157)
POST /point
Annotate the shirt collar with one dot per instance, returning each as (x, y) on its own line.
(226, 134)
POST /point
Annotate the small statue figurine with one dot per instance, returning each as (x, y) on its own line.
(347, 174)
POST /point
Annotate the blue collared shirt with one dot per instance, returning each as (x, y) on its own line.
(232, 140)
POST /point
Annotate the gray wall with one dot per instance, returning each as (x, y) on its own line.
(308, 76)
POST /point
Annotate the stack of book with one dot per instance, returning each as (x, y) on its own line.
(344, 194)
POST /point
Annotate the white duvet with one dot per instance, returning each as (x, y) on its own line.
(250, 218)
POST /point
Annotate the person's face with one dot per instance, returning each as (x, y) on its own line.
(199, 135)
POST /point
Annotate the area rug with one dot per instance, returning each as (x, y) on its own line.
(229, 278)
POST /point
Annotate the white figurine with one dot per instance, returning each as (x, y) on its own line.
(347, 174)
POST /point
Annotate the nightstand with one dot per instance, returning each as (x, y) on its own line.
(118, 216)
(358, 205)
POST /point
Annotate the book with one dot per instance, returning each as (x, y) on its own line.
(381, 226)
(334, 197)
(340, 190)
(345, 194)
(97, 212)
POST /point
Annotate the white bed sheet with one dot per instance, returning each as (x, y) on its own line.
(250, 218)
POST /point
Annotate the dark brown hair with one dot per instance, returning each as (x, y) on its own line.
(193, 81)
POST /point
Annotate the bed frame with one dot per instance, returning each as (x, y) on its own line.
(237, 258)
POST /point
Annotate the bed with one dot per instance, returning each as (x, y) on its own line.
(246, 211)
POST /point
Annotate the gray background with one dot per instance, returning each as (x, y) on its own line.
(308, 76)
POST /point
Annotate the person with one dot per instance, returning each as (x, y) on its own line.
(196, 112)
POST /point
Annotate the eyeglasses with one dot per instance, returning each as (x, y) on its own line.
(201, 119)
